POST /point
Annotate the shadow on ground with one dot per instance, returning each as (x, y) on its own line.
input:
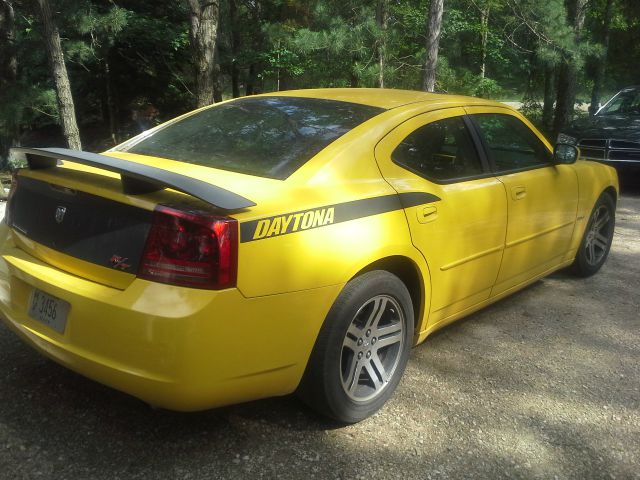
(543, 384)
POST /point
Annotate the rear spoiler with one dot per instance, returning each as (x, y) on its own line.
(137, 178)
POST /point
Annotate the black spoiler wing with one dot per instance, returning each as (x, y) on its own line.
(137, 178)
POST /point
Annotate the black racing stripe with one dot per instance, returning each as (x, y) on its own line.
(342, 212)
(413, 199)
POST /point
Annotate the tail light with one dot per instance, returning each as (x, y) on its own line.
(191, 248)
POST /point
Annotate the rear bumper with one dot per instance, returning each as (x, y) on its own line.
(173, 347)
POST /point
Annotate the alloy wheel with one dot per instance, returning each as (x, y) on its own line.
(372, 348)
(598, 236)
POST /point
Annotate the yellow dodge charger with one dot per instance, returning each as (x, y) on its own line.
(298, 241)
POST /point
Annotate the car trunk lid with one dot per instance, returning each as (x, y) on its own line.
(81, 219)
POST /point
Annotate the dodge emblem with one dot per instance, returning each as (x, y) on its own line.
(60, 211)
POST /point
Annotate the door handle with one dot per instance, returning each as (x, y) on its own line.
(427, 214)
(518, 192)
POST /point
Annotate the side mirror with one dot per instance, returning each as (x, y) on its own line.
(564, 153)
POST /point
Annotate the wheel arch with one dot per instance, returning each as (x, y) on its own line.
(611, 190)
(409, 273)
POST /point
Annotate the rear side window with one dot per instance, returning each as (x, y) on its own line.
(267, 136)
(440, 151)
(511, 144)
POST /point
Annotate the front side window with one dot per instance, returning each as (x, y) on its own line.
(264, 136)
(441, 151)
(626, 102)
(511, 144)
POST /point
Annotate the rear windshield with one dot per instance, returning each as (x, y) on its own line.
(267, 136)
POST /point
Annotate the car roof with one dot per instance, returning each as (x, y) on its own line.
(386, 98)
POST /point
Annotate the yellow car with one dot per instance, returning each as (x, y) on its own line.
(298, 241)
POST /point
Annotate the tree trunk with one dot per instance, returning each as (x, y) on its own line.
(217, 84)
(433, 41)
(60, 77)
(256, 42)
(566, 94)
(565, 99)
(8, 59)
(235, 79)
(9, 135)
(484, 35)
(596, 93)
(110, 102)
(235, 48)
(250, 87)
(203, 30)
(278, 68)
(549, 97)
(529, 99)
(382, 19)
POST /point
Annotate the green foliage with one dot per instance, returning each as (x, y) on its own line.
(465, 82)
(532, 109)
(128, 55)
(487, 88)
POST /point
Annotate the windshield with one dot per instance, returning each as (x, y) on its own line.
(626, 103)
(264, 136)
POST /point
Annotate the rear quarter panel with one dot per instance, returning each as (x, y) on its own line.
(303, 241)
(593, 179)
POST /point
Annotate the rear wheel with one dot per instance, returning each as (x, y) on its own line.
(597, 238)
(362, 349)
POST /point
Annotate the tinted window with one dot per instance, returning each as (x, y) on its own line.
(512, 145)
(627, 102)
(441, 150)
(268, 136)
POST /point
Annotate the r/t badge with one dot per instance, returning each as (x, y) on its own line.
(119, 262)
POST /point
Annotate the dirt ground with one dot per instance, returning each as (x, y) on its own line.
(544, 384)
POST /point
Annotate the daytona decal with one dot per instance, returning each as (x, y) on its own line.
(330, 214)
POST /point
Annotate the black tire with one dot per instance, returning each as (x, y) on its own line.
(373, 309)
(596, 240)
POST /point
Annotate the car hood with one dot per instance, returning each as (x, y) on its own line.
(619, 127)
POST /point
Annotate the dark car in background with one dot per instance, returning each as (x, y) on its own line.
(612, 135)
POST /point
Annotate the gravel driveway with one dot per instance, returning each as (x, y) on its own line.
(544, 384)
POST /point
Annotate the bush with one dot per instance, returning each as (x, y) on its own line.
(486, 88)
(464, 82)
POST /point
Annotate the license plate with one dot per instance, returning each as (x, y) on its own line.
(49, 310)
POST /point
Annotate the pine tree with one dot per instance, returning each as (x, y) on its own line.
(8, 77)
(601, 68)
(433, 40)
(204, 17)
(567, 78)
(382, 20)
(60, 77)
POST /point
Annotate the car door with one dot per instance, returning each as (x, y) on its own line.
(460, 224)
(542, 197)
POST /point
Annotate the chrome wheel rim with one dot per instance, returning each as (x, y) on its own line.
(598, 236)
(372, 348)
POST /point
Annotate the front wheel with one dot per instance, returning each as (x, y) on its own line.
(597, 238)
(362, 349)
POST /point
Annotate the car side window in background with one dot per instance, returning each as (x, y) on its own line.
(626, 102)
(440, 151)
(512, 145)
